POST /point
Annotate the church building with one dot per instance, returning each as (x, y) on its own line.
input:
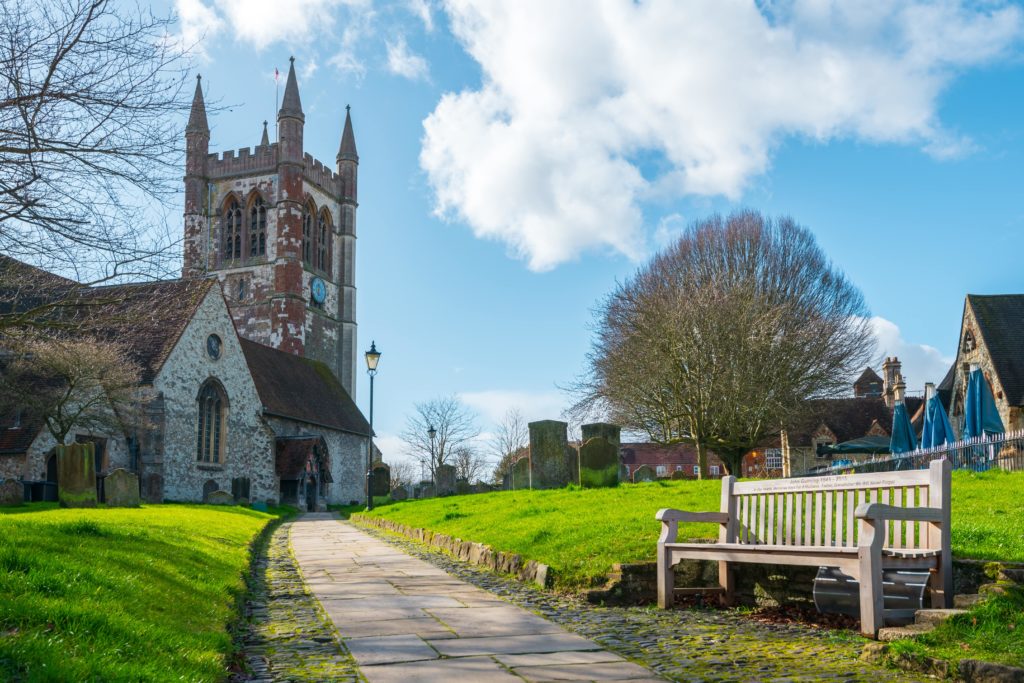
(249, 360)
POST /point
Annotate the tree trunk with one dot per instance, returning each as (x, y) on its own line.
(702, 460)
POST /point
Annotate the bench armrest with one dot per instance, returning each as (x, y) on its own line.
(670, 519)
(880, 511)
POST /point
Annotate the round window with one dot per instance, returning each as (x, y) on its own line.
(213, 346)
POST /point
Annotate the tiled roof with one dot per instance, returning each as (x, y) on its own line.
(302, 389)
(847, 418)
(1001, 322)
(945, 387)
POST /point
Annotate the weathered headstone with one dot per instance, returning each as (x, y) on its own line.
(220, 498)
(209, 487)
(399, 493)
(604, 429)
(121, 489)
(551, 460)
(521, 473)
(679, 474)
(153, 488)
(445, 480)
(381, 479)
(644, 473)
(76, 475)
(462, 487)
(12, 492)
(599, 463)
(482, 487)
(240, 488)
(425, 490)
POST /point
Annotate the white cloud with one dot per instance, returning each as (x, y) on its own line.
(543, 155)
(197, 21)
(262, 22)
(402, 62)
(921, 362)
(421, 8)
(492, 405)
(309, 67)
(669, 229)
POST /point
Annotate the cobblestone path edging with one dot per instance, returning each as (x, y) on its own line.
(684, 644)
(286, 636)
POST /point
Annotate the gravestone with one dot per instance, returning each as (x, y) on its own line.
(679, 474)
(121, 488)
(12, 492)
(552, 463)
(482, 487)
(603, 429)
(220, 498)
(381, 479)
(521, 473)
(445, 480)
(462, 487)
(209, 487)
(153, 488)
(76, 475)
(399, 493)
(425, 490)
(644, 473)
(240, 488)
(599, 463)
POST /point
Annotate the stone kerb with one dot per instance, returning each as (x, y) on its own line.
(475, 553)
(599, 463)
(76, 475)
(121, 489)
(12, 492)
(643, 473)
(220, 498)
(552, 463)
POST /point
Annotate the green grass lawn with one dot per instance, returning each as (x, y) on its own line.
(581, 533)
(142, 594)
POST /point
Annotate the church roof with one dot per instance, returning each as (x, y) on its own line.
(1001, 323)
(291, 105)
(301, 389)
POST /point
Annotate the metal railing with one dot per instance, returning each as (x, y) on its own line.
(1000, 451)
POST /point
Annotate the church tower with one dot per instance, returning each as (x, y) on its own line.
(277, 228)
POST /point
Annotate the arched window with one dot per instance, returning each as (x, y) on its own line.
(307, 234)
(232, 223)
(258, 227)
(323, 242)
(213, 425)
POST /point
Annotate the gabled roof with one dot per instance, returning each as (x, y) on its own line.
(301, 389)
(868, 376)
(847, 418)
(1001, 323)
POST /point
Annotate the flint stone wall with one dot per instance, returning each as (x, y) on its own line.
(599, 463)
(121, 489)
(552, 463)
(475, 553)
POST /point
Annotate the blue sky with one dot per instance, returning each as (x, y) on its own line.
(518, 158)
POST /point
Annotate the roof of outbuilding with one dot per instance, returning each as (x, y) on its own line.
(847, 418)
(301, 389)
(1001, 323)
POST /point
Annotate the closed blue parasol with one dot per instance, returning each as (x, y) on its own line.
(903, 439)
(980, 413)
(937, 430)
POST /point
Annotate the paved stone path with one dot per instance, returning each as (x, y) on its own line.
(405, 620)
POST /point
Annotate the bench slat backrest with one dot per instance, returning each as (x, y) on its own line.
(819, 511)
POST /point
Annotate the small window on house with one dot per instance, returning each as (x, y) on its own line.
(232, 223)
(696, 469)
(773, 458)
(212, 432)
(661, 470)
(714, 470)
(242, 289)
(679, 468)
(258, 227)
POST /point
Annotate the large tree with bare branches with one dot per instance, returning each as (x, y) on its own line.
(722, 337)
(91, 108)
(455, 427)
(511, 436)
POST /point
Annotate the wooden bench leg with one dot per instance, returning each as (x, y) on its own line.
(666, 579)
(726, 581)
(872, 605)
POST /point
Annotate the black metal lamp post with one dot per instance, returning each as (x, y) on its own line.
(372, 358)
(432, 433)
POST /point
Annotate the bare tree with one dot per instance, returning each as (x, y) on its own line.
(455, 427)
(90, 139)
(469, 463)
(402, 473)
(69, 384)
(511, 435)
(721, 339)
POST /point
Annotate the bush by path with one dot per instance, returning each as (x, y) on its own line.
(581, 533)
(121, 594)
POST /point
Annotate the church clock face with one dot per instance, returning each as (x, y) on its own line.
(318, 290)
(213, 346)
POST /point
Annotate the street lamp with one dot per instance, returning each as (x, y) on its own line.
(372, 358)
(432, 433)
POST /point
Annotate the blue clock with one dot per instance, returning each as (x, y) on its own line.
(318, 290)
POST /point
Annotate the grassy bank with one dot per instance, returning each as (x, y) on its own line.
(121, 594)
(581, 533)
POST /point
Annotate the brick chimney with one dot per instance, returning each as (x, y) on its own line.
(891, 375)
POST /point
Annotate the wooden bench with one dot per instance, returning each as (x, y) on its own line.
(860, 523)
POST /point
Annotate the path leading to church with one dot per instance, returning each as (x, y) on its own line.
(406, 620)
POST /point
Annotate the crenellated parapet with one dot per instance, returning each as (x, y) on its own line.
(322, 176)
(245, 161)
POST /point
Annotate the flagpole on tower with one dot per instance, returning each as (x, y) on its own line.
(277, 89)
